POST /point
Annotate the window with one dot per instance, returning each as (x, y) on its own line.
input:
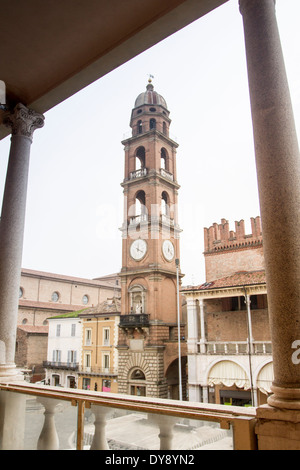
(106, 334)
(73, 329)
(21, 292)
(106, 361)
(165, 203)
(152, 124)
(106, 385)
(88, 337)
(58, 330)
(56, 356)
(137, 294)
(87, 360)
(137, 388)
(72, 356)
(140, 158)
(55, 297)
(85, 299)
(139, 127)
(86, 383)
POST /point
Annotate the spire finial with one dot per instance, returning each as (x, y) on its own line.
(150, 85)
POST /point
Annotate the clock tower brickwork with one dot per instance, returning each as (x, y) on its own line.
(148, 332)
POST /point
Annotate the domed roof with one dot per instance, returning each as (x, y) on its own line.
(150, 97)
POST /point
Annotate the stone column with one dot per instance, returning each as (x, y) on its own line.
(278, 173)
(192, 325)
(23, 122)
(202, 328)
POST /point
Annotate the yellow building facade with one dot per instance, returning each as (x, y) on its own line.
(99, 360)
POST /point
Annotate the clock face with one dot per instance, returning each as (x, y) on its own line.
(138, 249)
(168, 250)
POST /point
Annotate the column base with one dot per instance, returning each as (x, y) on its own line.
(285, 398)
(277, 429)
(9, 373)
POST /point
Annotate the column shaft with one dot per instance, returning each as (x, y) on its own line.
(278, 174)
(22, 122)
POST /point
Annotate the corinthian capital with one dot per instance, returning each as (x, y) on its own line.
(23, 121)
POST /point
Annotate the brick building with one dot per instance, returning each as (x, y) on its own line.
(229, 343)
(43, 295)
(98, 369)
(31, 350)
(148, 352)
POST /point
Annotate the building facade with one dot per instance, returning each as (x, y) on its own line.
(99, 360)
(229, 342)
(64, 350)
(45, 295)
(148, 350)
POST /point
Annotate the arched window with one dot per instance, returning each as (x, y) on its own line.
(137, 299)
(165, 204)
(163, 159)
(137, 374)
(140, 158)
(139, 127)
(165, 128)
(137, 383)
(152, 123)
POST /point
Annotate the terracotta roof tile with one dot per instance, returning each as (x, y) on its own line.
(240, 278)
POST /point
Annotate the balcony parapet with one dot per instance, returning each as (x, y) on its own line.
(138, 173)
(134, 320)
(163, 413)
(60, 365)
(235, 347)
(166, 174)
(107, 371)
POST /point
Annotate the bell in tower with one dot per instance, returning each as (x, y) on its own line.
(148, 330)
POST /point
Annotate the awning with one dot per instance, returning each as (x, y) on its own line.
(228, 373)
(265, 378)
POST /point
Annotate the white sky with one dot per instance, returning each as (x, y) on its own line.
(75, 201)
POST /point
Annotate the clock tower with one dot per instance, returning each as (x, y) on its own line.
(148, 330)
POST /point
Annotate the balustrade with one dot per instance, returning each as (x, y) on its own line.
(138, 173)
(112, 421)
(236, 347)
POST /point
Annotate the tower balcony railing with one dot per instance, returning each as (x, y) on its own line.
(138, 173)
(134, 319)
(54, 418)
(166, 174)
(167, 220)
(138, 219)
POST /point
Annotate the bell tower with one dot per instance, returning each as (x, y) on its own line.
(148, 334)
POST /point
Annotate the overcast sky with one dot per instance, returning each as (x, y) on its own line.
(75, 201)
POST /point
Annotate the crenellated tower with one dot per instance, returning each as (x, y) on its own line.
(227, 251)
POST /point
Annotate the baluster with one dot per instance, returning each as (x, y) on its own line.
(99, 439)
(165, 424)
(48, 439)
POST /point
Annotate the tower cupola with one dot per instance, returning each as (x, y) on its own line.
(150, 112)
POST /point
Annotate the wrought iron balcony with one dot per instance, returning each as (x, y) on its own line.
(134, 319)
(60, 365)
(98, 370)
